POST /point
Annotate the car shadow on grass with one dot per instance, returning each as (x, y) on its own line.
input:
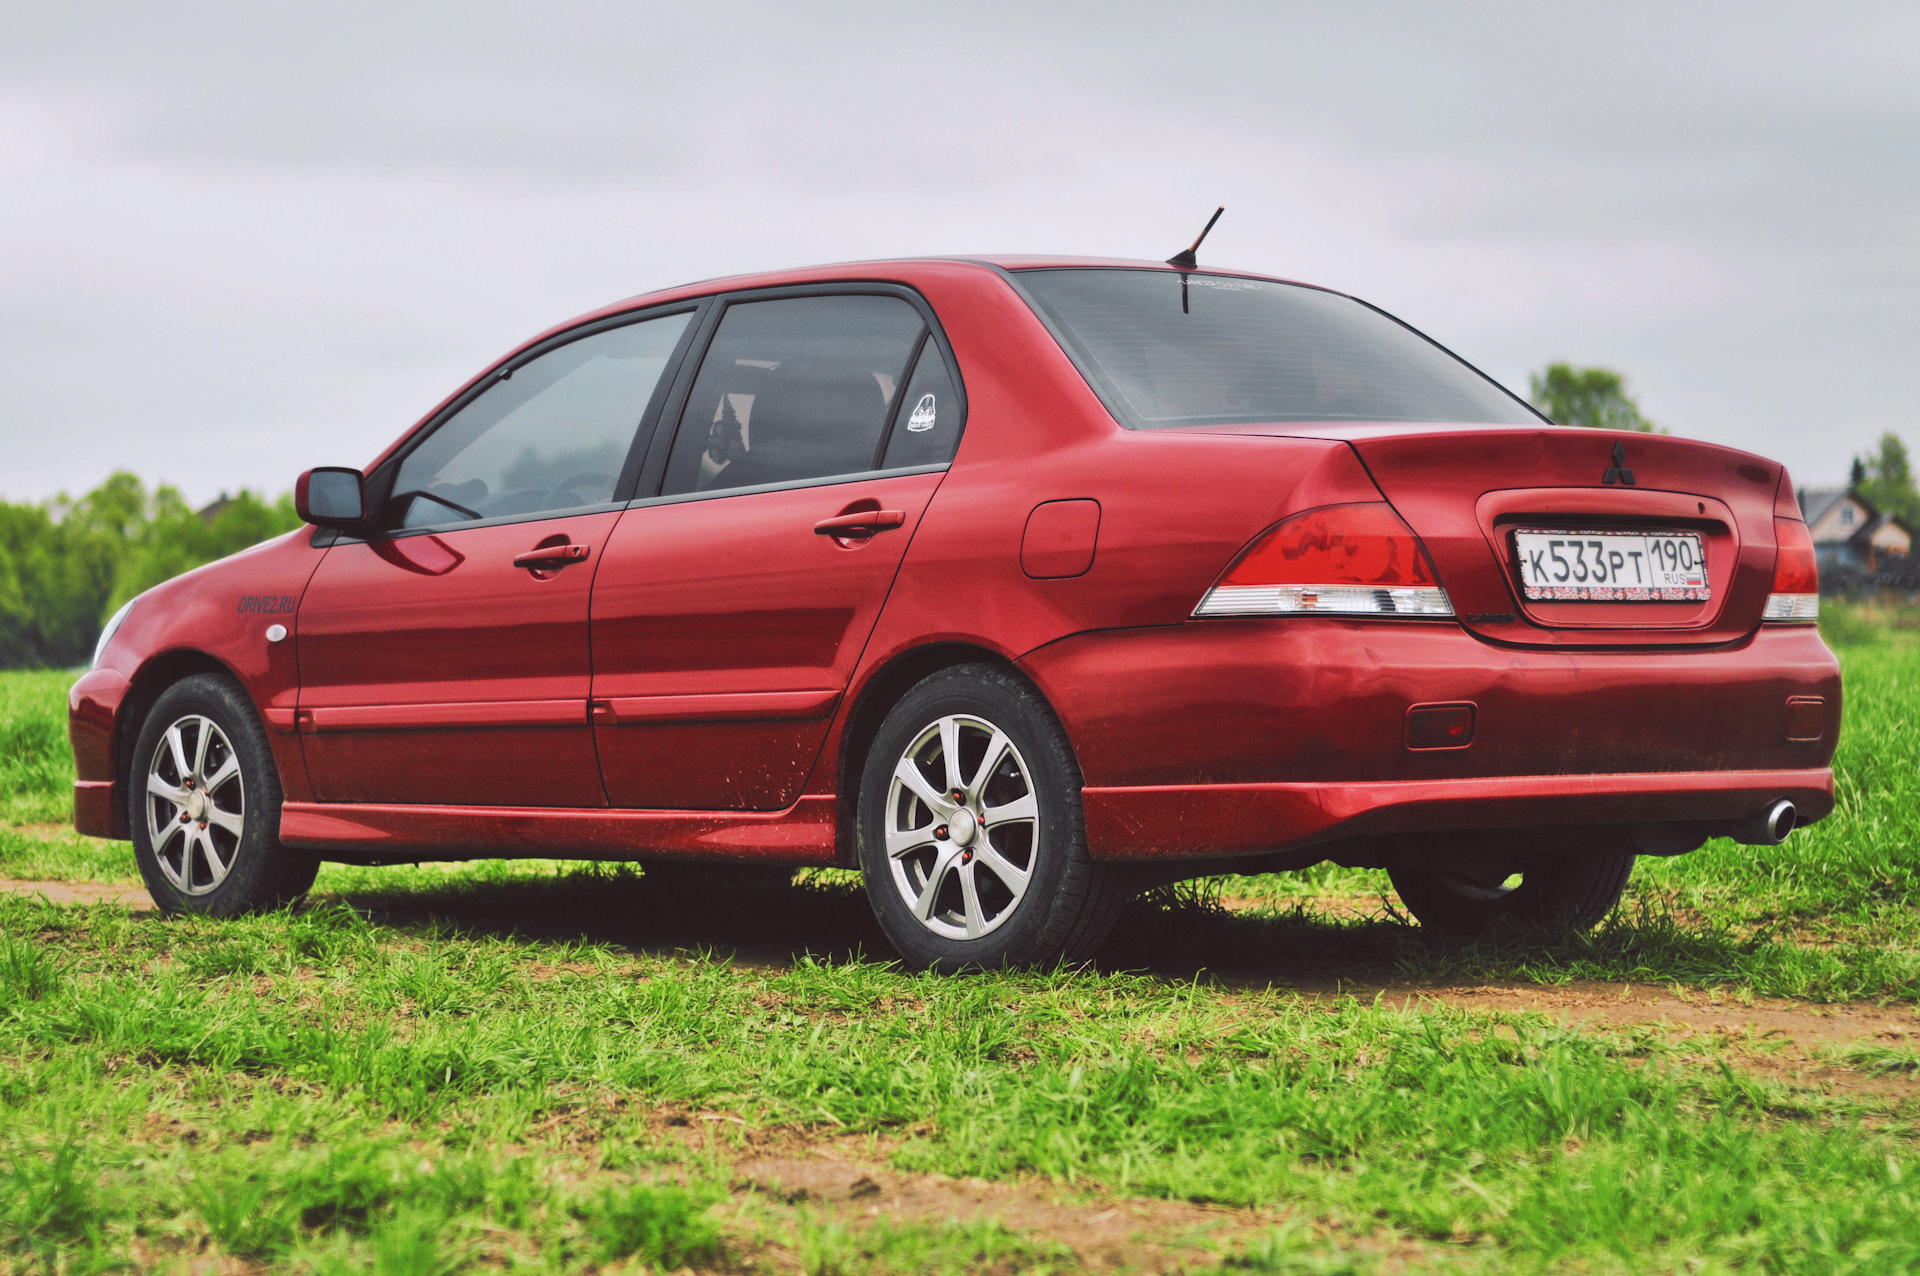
(775, 919)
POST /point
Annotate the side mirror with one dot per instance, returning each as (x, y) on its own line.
(330, 496)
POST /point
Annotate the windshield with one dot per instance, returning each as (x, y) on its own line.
(1166, 348)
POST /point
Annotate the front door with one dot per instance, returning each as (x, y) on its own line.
(730, 612)
(445, 659)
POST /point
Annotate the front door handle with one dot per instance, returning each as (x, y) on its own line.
(863, 523)
(551, 557)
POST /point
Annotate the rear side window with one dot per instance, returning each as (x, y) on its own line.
(1166, 348)
(553, 436)
(926, 427)
(793, 389)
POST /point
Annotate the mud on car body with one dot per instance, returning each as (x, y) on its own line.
(1015, 584)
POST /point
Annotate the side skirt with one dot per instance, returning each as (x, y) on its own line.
(801, 835)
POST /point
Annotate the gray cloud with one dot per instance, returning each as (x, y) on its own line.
(240, 239)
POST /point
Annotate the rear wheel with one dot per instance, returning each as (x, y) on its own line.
(205, 806)
(1467, 893)
(971, 837)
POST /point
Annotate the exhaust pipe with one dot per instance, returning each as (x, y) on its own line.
(1770, 828)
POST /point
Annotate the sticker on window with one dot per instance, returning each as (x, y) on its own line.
(922, 419)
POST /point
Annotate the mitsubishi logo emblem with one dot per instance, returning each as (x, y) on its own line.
(1618, 471)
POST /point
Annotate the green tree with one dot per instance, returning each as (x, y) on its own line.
(67, 564)
(1594, 397)
(1885, 477)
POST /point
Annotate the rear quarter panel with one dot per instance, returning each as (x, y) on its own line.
(1174, 507)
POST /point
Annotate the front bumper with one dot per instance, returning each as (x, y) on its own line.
(1237, 737)
(92, 706)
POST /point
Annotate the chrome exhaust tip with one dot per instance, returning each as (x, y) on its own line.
(1769, 828)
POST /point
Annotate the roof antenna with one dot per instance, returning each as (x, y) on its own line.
(1186, 260)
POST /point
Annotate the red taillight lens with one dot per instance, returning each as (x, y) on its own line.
(1796, 574)
(1352, 559)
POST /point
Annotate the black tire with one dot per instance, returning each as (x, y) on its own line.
(248, 870)
(1066, 904)
(1466, 895)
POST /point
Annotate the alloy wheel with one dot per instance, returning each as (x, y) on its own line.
(962, 827)
(196, 805)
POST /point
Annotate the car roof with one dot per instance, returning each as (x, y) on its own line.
(893, 269)
(884, 268)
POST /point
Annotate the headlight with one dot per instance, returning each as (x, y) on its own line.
(106, 635)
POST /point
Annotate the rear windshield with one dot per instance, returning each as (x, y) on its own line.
(1166, 349)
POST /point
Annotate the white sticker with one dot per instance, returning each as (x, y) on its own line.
(922, 419)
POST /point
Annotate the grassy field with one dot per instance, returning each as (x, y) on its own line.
(570, 1068)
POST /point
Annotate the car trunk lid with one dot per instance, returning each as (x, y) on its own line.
(1465, 490)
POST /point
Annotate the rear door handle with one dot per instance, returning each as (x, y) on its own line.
(867, 521)
(551, 557)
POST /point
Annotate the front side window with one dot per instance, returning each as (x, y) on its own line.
(794, 389)
(1168, 348)
(552, 436)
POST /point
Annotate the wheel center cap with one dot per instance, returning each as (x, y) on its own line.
(197, 804)
(961, 827)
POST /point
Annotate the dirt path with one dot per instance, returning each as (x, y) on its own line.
(126, 895)
(1137, 1234)
(1802, 1043)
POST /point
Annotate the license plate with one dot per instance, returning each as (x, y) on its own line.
(1612, 566)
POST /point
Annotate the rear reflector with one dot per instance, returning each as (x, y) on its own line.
(1353, 560)
(1796, 574)
(1440, 726)
(1806, 717)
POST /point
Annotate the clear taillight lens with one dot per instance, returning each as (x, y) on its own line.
(1796, 574)
(1351, 560)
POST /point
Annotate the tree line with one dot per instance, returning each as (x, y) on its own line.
(1598, 397)
(66, 565)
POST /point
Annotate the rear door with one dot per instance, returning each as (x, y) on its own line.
(731, 608)
(445, 660)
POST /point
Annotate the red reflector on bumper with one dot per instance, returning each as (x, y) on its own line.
(1440, 726)
(1806, 717)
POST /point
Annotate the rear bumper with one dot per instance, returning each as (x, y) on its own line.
(1231, 737)
(1202, 820)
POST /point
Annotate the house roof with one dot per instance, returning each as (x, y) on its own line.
(1879, 521)
(1816, 502)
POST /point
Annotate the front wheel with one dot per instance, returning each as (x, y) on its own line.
(1466, 893)
(205, 806)
(971, 838)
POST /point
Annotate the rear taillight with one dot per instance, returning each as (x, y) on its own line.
(1352, 560)
(1796, 574)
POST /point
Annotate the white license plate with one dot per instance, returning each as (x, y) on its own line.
(1612, 566)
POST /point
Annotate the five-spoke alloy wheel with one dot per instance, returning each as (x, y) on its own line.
(970, 829)
(205, 805)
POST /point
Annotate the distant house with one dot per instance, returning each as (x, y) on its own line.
(214, 510)
(1850, 534)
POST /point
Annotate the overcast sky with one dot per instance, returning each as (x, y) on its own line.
(237, 240)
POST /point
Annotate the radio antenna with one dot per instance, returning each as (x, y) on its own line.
(1186, 260)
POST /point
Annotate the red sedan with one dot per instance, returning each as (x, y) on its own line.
(1015, 584)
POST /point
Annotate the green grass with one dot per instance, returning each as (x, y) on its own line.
(555, 1067)
(291, 1088)
(36, 765)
